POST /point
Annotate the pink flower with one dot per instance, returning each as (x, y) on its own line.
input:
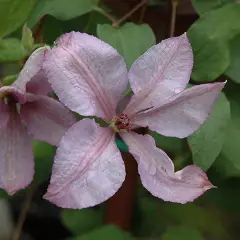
(89, 77)
(25, 103)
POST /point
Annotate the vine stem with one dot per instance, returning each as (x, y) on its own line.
(116, 23)
(23, 214)
(126, 16)
(119, 209)
(173, 17)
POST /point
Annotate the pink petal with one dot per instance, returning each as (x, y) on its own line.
(88, 167)
(4, 116)
(16, 93)
(31, 68)
(16, 156)
(160, 73)
(46, 119)
(87, 74)
(182, 114)
(157, 172)
(39, 84)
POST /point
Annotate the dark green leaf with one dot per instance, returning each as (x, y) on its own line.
(182, 233)
(11, 50)
(209, 41)
(43, 154)
(206, 143)
(168, 144)
(3, 194)
(202, 6)
(234, 69)
(211, 61)
(13, 13)
(106, 233)
(82, 221)
(61, 9)
(130, 40)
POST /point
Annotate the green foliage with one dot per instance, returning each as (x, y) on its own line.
(11, 50)
(43, 154)
(182, 233)
(13, 13)
(121, 145)
(208, 221)
(206, 143)
(209, 42)
(61, 9)
(202, 6)
(130, 40)
(107, 233)
(82, 221)
(27, 39)
(234, 69)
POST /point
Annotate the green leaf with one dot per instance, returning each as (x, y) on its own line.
(107, 233)
(192, 215)
(168, 144)
(209, 41)
(182, 233)
(10, 79)
(82, 221)
(13, 13)
(130, 40)
(61, 9)
(3, 194)
(43, 154)
(27, 39)
(202, 6)
(211, 61)
(206, 143)
(11, 50)
(121, 145)
(234, 69)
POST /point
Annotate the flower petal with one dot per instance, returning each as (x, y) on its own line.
(161, 72)
(46, 119)
(39, 84)
(14, 92)
(157, 172)
(182, 114)
(87, 74)
(88, 167)
(16, 156)
(31, 68)
(4, 116)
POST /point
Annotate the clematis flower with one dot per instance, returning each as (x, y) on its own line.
(89, 77)
(26, 109)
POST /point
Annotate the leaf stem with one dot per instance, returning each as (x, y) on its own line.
(23, 214)
(173, 17)
(126, 16)
(104, 13)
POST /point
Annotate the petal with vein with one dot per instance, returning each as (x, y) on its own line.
(46, 119)
(16, 93)
(88, 167)
(87, 74)
(161, 72)
(182, 114)
(16, 156)
(31, 68)
(39, 84)
(157, 172)
(4, 116)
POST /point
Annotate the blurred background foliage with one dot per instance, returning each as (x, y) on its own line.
(213, 27)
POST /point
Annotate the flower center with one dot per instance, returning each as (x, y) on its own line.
(121, 123)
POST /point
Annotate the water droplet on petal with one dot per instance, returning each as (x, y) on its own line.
(177, 90)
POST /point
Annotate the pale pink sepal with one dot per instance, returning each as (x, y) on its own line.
(160, 73)
(46, 119)
(157, 172)
(16, 156)
(88, 167)
(87, 74)
(31, 68)
(182, 114)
